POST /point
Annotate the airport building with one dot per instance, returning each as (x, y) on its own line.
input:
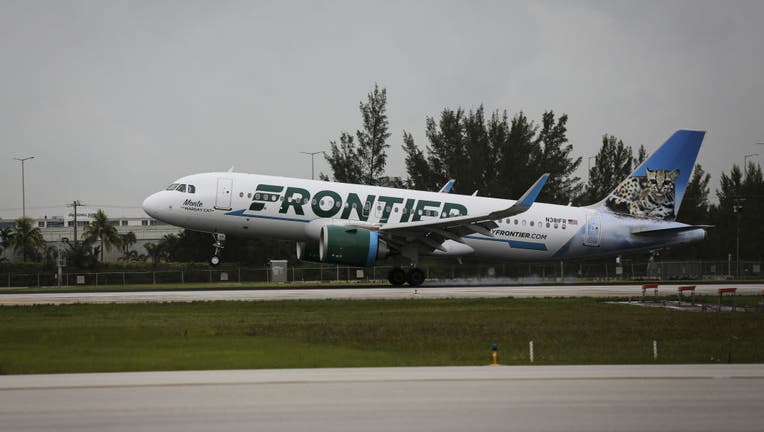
(59, 230)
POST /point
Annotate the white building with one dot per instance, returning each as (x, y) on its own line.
(58, 230)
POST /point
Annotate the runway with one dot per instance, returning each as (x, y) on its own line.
(634, 291)
(540, 398)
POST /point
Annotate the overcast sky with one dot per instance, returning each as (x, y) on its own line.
(116, 99)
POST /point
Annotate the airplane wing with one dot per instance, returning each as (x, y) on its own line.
(433, 233)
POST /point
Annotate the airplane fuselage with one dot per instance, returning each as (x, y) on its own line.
(259, 206)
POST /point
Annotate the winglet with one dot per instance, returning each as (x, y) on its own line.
(531, 194)
(448, 186)
(525, 201)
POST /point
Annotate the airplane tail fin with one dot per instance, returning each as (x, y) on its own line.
(656, 188)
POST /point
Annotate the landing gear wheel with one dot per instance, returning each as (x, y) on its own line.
(397, 276)
(415, 277)
(218, 246)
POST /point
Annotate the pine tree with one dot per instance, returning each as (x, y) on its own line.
(554, 157)
(695, 206)
(372, 139)
(612, 164)
(420, 176)
(344, 161)
(363, 161)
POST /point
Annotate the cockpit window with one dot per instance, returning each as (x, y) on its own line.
(191, 189)
(181, 188)
(172, 186)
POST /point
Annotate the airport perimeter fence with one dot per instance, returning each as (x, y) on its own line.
(520, 273)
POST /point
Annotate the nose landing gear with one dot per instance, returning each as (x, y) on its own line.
(219, 244)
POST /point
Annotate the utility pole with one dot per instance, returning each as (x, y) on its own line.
(75, 204)
(23, 191)
(312, 163)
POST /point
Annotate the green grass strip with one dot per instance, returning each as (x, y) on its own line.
(346, 333)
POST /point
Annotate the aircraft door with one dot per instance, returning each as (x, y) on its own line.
(223, 198)
(593, 233)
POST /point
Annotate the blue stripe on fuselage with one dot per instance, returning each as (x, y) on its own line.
(242, 214)
(515, 244)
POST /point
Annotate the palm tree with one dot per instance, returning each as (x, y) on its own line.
(100, 229)
(127, 241)
(27, 239)
(155, 252)
(82, 255)
(6, 234)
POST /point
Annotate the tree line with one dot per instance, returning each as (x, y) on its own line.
(500, 155)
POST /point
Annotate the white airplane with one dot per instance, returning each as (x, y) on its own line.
(360, 225)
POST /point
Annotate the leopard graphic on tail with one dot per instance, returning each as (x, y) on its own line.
(656, 187)
(651, 196)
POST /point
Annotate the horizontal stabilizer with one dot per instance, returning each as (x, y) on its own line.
(672, 230)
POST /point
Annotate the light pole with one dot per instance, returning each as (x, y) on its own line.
(23, 191)
(312, 162)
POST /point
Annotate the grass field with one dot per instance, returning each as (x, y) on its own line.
(345, 333)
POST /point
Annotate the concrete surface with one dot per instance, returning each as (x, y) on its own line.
(539, 398)
(634, 291)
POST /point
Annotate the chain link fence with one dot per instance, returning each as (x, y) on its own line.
(521, 273)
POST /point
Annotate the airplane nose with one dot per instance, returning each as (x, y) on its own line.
(151, 205)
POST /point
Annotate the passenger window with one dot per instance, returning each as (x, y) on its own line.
(524, 222)
(191, 189)
(531, 223)
(547, 224)
(241, 194)
(181, 188)
(515, 221)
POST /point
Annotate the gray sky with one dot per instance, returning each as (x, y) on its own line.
(116, 99)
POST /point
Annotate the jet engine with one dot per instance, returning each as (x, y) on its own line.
(308, 251)
(349, 245)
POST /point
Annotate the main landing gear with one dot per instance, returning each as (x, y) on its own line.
(219, 244)
(414, 277)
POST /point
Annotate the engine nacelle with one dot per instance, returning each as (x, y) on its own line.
(308, 251)
(349, 245)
